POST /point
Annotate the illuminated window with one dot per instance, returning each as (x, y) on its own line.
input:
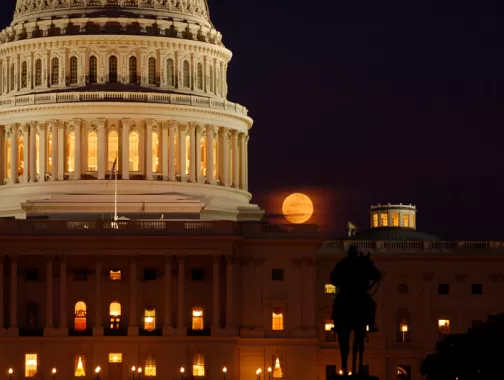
(80, 366)
(203, 157)
(210, 70)
(405, 220)
(188, 153)
(413, 220)
(330, 289)
(375, 219)
(155, 152)
(134, 152)
(200, 76)
(49, 152)
(150, 320)
(384, 219)
(133, 76)
(277, 368)
(92, 151)
(329, 325)
(150, 366)
(115, 315)
(444, 326)
(74, 70)
(187, 75)
(277, 319)
(30, 365)
(70, 153)
(170, 72)
(215, 158)
(113, 69)
(403, 326)
(24, 75)
(80, 313)
(21, 163)
(93, 69)
(112, 149)
(54, 71)
(8, 157)
(115, 358)
(152, 71)
(197, 318)
(198, 365)
(404, 372)
(38, 73)
(37, 153)
(115, 274)
(395, 219)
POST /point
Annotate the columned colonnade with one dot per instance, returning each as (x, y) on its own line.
(60, 150)
(167, 325)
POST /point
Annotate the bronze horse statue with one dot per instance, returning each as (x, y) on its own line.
(354, 308)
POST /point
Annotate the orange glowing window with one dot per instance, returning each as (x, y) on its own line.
(198, 365)
(149, 321)
(330, 289)
(31, 362)
(395, 219)
(384, 219)
(277, 320)
(197, 318)
(329, 325)
(405, 220)
(80, 366)
(115, 315)
(80, 312)
(150, 366)
(115, 358)
(444, 326)
(115, 274)
(375, 219)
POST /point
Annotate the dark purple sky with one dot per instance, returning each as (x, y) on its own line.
(360, 102)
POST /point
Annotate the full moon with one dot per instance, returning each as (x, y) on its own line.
(297, 208)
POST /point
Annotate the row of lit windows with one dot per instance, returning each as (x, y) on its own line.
(113, 153)
(171, 73)
(382, 219)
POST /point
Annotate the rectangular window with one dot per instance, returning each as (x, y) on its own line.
(197, 318)
(197, 274)
(32, 274)
(80, 366)
(329, 325)
(443, 288)
(277, 319)
(277, 274)
(31, 363)
(330, 289)
(329, 333)
(150, 367)
(405, 220)
(150, 275)
(80, 274)
(115, 358)
(383, 220)
(198, 365)
(115, 274)
(150, 320)
(395, 219)
(444, 326)
(477, 289)
(375, 219)
(277, 367)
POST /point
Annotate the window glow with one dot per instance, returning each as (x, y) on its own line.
(115, 358)
(330, 289)
(49, 153)
(277, 369)
(215, 158)
(8, 155)
(150, 366)
(197, 318)
(395, 219)
(134, 152)
(80, 366)
(277, 320)
(80, 313)
(21, 163)
(150, 321)
(444, 326)
(188, 154)
(405, 220)
(175, 145)
(198, 365)
(375, 219)
(155, 152)
(37, 154)
(329, 325)
(203, 157)
(384, 219)
(115, 315)
(30, 365)
(112, 149)
(115, 274)
(92, 151)
(70, 153)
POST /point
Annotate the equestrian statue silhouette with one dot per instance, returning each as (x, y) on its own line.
(354, 309)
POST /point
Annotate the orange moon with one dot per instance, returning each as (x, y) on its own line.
(297, 208)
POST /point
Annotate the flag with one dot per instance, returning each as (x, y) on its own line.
(113, 170)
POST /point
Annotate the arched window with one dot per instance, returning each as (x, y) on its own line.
(80, 314)
(211, 78)
(21, 163)
(74, 70)
(188, 154)
(134, 152)
(113, 149)
(49, 153)
(8, 156)
(38, 73)
(93, 69)
(152, 71)
(155, 152)
(113, 69)
(37, 154)
(24, 74)
(197, 318)
(215, 158)
(12, 77)
(170, 72)
(70, 153)
(115, 315)
(203, 157)
(54, 71)
(403, 323)
(200, 76)
(92, 151)
(187, 75)
(133, 76)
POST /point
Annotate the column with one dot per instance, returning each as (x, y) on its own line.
(209, 151)
(63, 293)
(133, 325)
(229, 292)
(13, 293)
(164, 150)
(172, 166)
(61, 152)
(167, 322)
(148, 150)
(78, 147)
(224, 156)
(102, 159)
(216, 295)
(54, 153)
(215, 75)
(197, 147)
(14, 155)
(33, 151)
(193, 159)
(235, 182)
(26, 153)
(49, 294)
(180, 298)
(125, 150)
(42, 152)
(182, 148)
(1, 291)
(245, 167)
(98, 328)
(242, 160)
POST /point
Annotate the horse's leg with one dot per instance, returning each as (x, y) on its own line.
(344, 344)
(354, 351)
(362, 339)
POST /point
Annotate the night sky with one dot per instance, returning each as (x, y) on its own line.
(364, 102)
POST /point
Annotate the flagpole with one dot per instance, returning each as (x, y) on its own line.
(115, 193)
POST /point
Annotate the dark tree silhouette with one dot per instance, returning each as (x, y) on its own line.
(477, 354)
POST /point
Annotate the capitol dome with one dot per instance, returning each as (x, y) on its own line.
(86, 83)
